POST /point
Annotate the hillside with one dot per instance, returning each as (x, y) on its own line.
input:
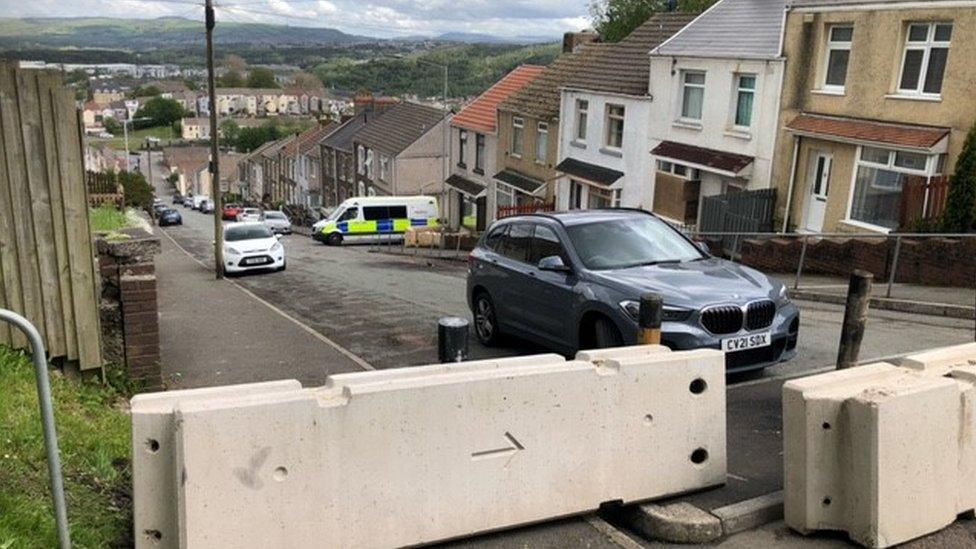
(471, 69)
(147, 34)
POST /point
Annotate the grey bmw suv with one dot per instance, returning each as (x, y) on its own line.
(573, 281)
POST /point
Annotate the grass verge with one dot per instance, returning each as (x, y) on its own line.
(94, 440)
(107, 218)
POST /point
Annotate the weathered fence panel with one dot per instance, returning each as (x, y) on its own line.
(741, 212)
(46, 256)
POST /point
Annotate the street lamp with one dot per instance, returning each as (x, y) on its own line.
(125, 131)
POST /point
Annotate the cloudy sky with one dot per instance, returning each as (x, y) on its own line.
(387, 18)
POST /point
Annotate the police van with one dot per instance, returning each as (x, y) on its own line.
(376, 218)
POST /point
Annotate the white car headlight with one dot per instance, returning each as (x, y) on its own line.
(276, 247)
(231, 251)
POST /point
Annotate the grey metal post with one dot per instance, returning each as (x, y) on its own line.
(452, 339)
(47, 422)
(894, 266)
(855, 319)
(799, 267)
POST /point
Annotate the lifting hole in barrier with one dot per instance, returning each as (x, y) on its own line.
(826, 502)
(152, 445)
(698, 386)
(826, 426)
(280, 474)
(154, 535)
(648, 419)
(699, 456)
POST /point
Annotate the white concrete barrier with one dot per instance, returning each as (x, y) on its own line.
(417, 455)
(885, 453)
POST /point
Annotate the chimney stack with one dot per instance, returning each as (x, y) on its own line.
(573, 40)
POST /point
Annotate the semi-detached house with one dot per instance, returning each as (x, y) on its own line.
(605, 120)
(714, 119)
(470, 197)
(877, 99)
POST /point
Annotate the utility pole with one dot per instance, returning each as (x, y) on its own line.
(214, 150)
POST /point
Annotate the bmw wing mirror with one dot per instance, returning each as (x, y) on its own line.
(553, 263)
(703, 246)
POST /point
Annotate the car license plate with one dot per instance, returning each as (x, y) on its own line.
(741, 343)
(253, 261)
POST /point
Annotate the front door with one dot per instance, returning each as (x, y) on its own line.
(819, 187)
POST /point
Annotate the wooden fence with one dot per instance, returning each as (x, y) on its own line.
(923, 199)
(506, 211)
(104, 188)
(46, 257)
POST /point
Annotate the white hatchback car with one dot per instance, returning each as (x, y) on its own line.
(278, 221)
(251, 246)
(251, 214)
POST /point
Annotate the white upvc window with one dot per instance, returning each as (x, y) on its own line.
(518, 135)
(924, 62)
(541, 142)
(745, 96)
(680, 170)
(838, 56)
(384, 167)
(614, 138)
(369, 163)
(361, 160)
(582, 107)
(692, 95)
(880, 176)
(462, 146)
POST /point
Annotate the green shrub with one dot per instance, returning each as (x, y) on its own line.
(961, 206)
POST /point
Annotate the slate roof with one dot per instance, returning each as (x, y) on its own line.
(872, 131)
(590, 172)
(465, 185)
(481, 114)
(399, 126)
(731, 28)
(624, 67)
(708, 158)
(540, 97)
(341, 138)
(308, 142)
(806, 3)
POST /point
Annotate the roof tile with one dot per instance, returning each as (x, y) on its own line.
(874, 131)
(481, 114)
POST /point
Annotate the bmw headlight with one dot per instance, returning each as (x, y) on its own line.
(276, 247)
(668, 313)
(232, 251)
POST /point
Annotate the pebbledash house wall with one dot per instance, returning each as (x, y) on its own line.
(870, 89)
(526, 164)
(632, 158)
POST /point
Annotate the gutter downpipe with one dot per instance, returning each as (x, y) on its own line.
(789, 191)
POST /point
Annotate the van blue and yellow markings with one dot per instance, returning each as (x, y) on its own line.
(381, 226)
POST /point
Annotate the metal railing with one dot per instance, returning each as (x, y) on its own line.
(397, 244)
(39, 357)
(805, 238)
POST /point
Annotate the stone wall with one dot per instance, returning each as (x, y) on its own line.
(931, 261)
(128, 306)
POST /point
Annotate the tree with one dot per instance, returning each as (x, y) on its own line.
(615, 19)
(146, 91)
(160, 111)
(261, 77)
(251, 138)
(960, 213)
(112, 125)
(138, 192)
(235, 63)
(231, 79)
(229, 131)
(306, 81)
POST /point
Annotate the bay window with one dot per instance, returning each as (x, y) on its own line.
(924, 63)
(881, 175)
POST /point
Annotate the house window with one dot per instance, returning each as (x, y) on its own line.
(362, 189)
(924, 63)
(462, 145)
(479, 153)
(504, 196)
(371, 192)
(692, 95)
(838, 55)
(518, 135)
(369, 163)
(361, 160)
(541, 142)
(384, 167)
(600, 198)
(615, 126)
(680, 170)
(575, 195)
(881, 175)
(581, 110)
(744, 97)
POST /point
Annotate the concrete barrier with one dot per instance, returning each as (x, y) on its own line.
(885, 453)
(417, 455)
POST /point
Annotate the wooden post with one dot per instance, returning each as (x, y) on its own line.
(214, 150)
(649, 319)
(855, 319)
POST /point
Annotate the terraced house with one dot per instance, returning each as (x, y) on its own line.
(877, 99)
(469, 200)
(605, 120)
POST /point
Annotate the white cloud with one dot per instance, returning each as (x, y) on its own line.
(387, 18)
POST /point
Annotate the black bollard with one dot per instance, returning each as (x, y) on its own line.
(855, 318)
(452, 339)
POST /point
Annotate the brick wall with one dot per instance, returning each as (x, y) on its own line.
(129, 309)
(932, 261)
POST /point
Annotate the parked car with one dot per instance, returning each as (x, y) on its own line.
(198, 199)
(573, 281)
(278, 221)
(251, 214)
(375, 218)
(206, 206)
(188, 201)
(169, 216)
(159, 207)
(230, 211)
(251, 246)
(178, 199)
